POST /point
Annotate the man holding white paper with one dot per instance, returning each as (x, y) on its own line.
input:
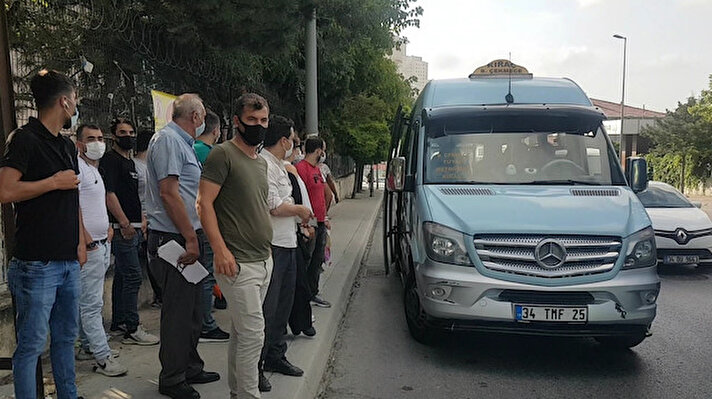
(171, 190)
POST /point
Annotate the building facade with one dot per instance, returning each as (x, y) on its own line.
(411, 67)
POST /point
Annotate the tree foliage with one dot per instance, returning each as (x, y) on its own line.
(221, 49)
(681, 145)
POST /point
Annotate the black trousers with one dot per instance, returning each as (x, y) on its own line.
(278, 303)
(181, 313)
(300, 318)
(317, 259)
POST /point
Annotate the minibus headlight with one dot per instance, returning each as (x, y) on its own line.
(641, 250)
(446, 245)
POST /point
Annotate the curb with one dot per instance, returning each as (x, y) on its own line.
(313, 356)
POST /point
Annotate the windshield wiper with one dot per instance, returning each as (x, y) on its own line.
(563, 182)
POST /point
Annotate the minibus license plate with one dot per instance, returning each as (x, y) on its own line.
(551, 314)
(682, 259)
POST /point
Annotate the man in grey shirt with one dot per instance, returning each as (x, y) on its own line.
(171, 190)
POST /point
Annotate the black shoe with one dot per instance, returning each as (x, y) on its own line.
(214, 335)
(203, 378)
(310, 332)
(283, 366)
(318, 301)
(264, 384)
(179, 391)
(220, 303)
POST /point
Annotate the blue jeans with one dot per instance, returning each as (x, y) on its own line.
(91, 333)
(209, 322)
(127, 281)
(47, 300)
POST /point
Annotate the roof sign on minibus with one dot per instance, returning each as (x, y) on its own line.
(500, 68)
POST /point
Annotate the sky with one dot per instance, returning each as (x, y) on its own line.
(669, 51)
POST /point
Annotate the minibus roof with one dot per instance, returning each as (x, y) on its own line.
(492, 90)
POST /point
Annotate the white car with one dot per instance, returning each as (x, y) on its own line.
(683, 232)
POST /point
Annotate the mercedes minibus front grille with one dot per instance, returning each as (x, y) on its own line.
(524, 254)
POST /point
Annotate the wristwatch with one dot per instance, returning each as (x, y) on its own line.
(92, 245)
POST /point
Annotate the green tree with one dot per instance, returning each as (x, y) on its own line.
(682, 139)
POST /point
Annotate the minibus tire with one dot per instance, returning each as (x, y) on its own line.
(621, 342)
(414, 314)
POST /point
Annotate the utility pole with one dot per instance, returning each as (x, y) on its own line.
(312, 106)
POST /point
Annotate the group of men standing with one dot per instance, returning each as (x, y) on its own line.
(259, 221)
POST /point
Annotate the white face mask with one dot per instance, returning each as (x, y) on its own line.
(299, 157)
(95, 150)
(322, 158)
(288, 153)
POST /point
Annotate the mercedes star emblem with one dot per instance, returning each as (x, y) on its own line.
(550, 253)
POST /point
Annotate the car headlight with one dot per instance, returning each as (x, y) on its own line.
(641, 250)
(446, 245)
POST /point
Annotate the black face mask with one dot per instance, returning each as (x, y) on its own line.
(253, 134)
(126, 143)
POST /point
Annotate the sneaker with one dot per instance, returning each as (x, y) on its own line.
(110, 368)
(220, 303)
(156, 304)
(140, 337)
(310, 332)
(86, 354)
(214, 335)
(318, 301)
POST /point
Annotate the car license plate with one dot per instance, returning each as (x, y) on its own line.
(551, 313)
(681, 259)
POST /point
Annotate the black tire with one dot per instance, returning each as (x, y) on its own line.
(622, 342)
(414, 314)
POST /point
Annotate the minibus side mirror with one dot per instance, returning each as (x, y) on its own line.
(395, 176)
(637, 174)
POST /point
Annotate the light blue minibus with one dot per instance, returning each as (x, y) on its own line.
(506, 210)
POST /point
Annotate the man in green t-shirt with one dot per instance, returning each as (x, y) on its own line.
(202, 146)
(205, 142)
(232, 204)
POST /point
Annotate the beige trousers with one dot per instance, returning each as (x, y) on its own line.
(245, 294)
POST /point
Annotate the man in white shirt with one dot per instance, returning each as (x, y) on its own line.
(278, 145)
(92, 202)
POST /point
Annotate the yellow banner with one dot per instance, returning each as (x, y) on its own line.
(162, 108)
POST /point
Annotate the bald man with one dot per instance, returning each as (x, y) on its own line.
(171, 191)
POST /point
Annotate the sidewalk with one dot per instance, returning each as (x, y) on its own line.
(352, 224)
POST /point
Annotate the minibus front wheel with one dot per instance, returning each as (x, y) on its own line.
(415, 315)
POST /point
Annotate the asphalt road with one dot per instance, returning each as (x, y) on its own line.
(375, 357)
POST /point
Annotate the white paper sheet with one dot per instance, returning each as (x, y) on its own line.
(171, 251)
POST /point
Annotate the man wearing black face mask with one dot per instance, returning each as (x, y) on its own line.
(234, 211)
(126, 217)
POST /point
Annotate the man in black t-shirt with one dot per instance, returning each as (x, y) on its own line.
(38, 173)
(126, 217)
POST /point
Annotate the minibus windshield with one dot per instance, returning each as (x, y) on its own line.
(541, 158)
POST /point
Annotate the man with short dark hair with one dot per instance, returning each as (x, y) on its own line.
(173, 179)
(98, 234)
(203, 144)
(279, 145)
(233, 209)
(129, 224)
(308, 169)
(38, 173)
